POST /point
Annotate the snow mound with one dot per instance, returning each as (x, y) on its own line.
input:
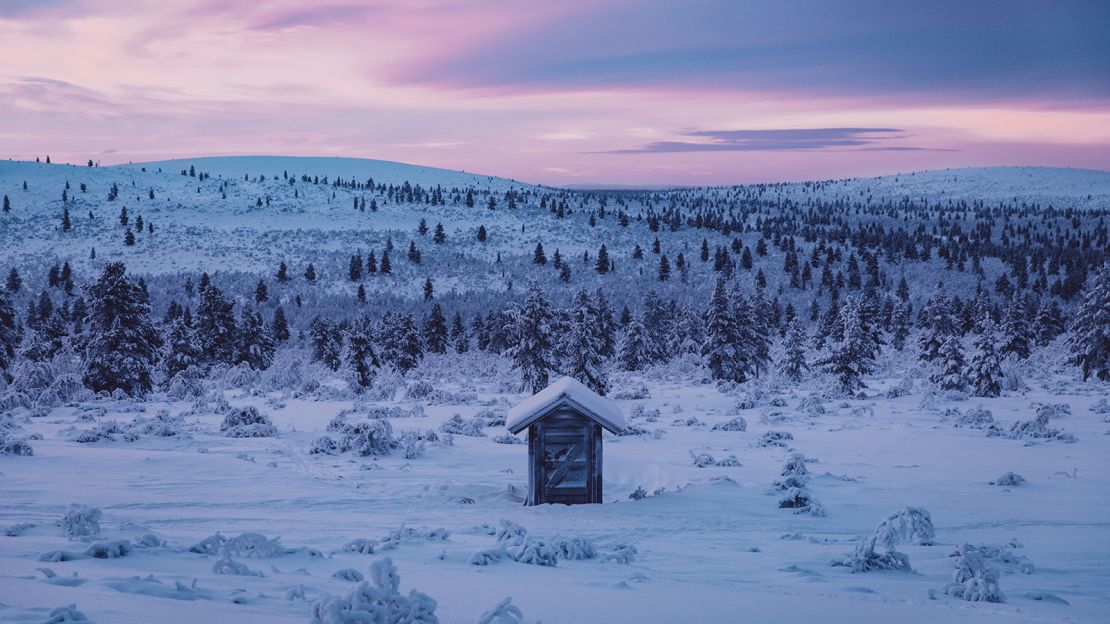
(247, 422)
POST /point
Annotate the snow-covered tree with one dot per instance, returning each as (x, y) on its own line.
(460, 341)
(939, 323)
(722, 349)
(214, 325)
(180, 350)
(952, 365)
(853, 355)
(120, 345)
(1017, 334)
(793, 362)
(606, 326)
(360, 354)
(279, 327)
(1048, 323)
(632, 353)
(582, 346)
(900, 325)
(1090, 328)
(256, 343)
(985, 368)
(435, 330)
(327, 342)
(532, 353)
(10, 333)
(400, 341)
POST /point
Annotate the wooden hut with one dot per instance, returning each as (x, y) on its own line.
(564, 423)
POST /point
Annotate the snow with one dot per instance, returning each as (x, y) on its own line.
(597, 408)
(705, 544)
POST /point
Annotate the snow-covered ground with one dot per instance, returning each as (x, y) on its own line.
(710, 542)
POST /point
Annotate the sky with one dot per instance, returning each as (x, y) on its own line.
(646, 92)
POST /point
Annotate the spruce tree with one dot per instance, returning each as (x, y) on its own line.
(279, 327)
(256, 343)
(283, 273)
(1048, 323)
(532, 353)
(261, 293)
(354, 268)
(633, 352)
(214, 323)
(602, 264)
(985, 369)
(1090, 328)
(582, 346)
(952, 366)
(180, 350)
(400, 341)
(939, 324)
(664, 268)
(384, 267)
(47, 340)
(327, 342)
(360, 354)
(310, 272)
(435, 330)
(1017, 335)
(429, 289)
(722, 348)
(538, 256)
(900, 325)
(10, 332)
(793, 362)
(459, 340)
(120, 345)
(852, 356)
(15, 282)
(605, 324)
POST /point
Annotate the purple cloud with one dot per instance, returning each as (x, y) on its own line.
(786, 139)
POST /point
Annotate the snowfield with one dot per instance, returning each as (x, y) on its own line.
(323, 356)
(704, 544)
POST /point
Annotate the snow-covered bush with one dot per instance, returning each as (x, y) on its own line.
(487, 557)
(728, 462)
(376, 601)
(247, 422)
(11, 445)
(69, 613)
(574, 548)
(110, 550)
(491, 417)
(211, 545)
(794, 473)
(774, 438)
(909, 524)
(973, 579)
(456, 425)
(619, 553)
(504, 613)
(324, 445)
(508, 439)
(81, 521)
(974, 418)
(701, 460)
(1053, 410)
(419, 390)
(366, 438)
(736, 424)
(348, 574)
(234, 568)
(254, 546)
(632, 393)
(1010, 479)
(1102, 408)
(1037, 429)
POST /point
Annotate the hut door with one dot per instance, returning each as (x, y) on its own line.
(567, 459)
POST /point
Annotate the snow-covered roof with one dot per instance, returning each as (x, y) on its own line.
(566, 390)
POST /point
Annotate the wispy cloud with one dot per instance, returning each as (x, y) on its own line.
(777, 140)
